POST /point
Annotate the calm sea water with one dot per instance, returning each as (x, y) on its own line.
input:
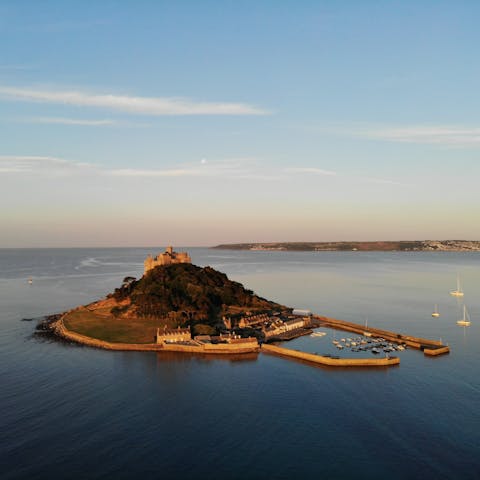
(75, 412)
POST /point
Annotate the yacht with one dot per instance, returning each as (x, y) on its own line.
(458, 292)
(465, 321)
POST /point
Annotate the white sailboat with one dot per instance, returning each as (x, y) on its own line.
(458, 292)
(366, 333)
(435, 312)
(465, 321)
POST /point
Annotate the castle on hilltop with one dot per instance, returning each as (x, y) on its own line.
(167, 258)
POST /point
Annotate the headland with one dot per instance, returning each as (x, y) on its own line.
(377, 246)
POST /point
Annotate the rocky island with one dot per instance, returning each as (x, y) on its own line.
(182, 307)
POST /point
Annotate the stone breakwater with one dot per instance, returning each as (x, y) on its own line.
(429, 347)
(58, 327)
(332, 362)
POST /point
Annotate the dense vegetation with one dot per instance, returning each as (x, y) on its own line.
(187, 294)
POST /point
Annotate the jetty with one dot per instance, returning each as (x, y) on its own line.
(330, 361)
(429, 347)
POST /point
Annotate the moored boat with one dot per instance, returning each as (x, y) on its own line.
(465, 321)
(458, 292)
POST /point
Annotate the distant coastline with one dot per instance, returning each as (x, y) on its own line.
(377, 246)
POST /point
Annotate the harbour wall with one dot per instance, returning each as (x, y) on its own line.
(429, 347)
(220, 348)
(332, 362)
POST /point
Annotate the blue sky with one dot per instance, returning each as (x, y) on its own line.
(194, 123)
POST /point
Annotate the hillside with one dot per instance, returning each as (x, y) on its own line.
(185, 291)
(179, 295)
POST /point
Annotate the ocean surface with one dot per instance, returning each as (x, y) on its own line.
(69, 412)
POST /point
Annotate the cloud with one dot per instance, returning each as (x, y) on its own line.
(71, 121)
(384, 181)
(21, 164)
(129, 104)
(133, 172)
(242, 168)
(310, 170)
(235, 168)
(436, 135)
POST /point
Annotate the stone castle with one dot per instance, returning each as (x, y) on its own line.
(167, 258)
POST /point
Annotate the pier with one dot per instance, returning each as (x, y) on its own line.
(329, 361)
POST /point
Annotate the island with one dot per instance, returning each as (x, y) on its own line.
(377, 246)
(180, 307)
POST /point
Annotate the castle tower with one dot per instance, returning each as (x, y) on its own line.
(167, 258)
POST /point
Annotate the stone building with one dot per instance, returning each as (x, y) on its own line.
(253, 320)
(173, 335)
(279, 327)
(167, 258)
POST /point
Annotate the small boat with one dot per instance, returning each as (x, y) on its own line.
(318, 334)
(365, 332)
(435, 312)
(30, 281)
(465, 321)
(458, 292)
(375, 351)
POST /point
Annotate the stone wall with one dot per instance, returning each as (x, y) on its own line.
(332, 362)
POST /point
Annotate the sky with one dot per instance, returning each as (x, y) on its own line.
(144, 123)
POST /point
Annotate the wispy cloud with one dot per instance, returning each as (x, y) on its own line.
(310, 170)
(447, 135)
(24, 164)
(235, 168)
(242, 168)
(129, 104)
(132, 172)
(71, 121)
(384, 181)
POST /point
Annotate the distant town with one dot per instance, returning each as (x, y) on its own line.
(404, 246)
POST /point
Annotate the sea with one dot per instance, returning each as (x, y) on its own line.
(75, 412)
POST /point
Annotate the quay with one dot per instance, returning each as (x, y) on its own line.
(429, 347)
(329, 361)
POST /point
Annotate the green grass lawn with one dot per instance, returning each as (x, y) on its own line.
(111, 329)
